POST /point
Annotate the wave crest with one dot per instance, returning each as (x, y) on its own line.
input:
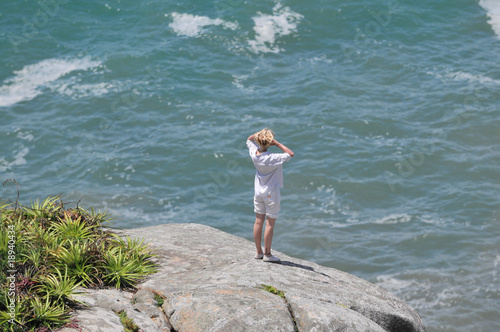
(27, 82)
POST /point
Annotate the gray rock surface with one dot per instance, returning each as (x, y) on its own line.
(210, 281)
(103, 306)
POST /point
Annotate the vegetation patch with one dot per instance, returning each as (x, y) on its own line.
(159, 300)
(128, 323)
(49, 251)
(274, 291)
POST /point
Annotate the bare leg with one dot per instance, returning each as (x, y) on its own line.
(257, 231)
(268, 235)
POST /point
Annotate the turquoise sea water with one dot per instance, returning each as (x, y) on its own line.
(142, 108)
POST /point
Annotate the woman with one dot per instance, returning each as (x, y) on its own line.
(268, 181)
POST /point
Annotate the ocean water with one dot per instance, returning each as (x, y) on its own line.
(142, 108)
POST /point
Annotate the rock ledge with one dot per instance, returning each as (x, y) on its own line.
(210, 282)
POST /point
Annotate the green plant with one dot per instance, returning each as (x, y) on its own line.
(33, 256)
(21, 315)
(274, 291)
(5, 211)
(96, 217)
(41, 237)
(281, 294)
(4, 242)
(159, 300)
(44, 208)
(49, 239)
(128, 323)
(58, 287)
(82, 271)
(4, 318)
(134, 247)
(74, 254)
(124, 270)
(72, 228)
(48, 313)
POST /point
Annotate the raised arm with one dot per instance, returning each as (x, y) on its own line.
(283, 147)
(250, 138)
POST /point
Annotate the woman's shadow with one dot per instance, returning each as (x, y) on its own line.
(305, 267)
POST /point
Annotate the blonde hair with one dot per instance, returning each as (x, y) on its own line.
(264, 138)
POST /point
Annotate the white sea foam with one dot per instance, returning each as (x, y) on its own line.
(267, 28)
(493, 9)
(17, 160)
(463, 76)
(393, 219)
(428, 219)
(321, 59)
(192, 25)
(238, 81)
(76, 90)
(26, 83)
(426, 289)
(458, 75)
(391, 282)
(25, 136)
(354, 217)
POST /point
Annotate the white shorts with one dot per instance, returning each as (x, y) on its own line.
(268, 203)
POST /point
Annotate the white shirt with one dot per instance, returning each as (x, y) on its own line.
(269, 170)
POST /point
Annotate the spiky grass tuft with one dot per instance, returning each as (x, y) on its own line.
(54, 251)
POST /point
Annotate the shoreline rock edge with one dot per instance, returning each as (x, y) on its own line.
(209, 281)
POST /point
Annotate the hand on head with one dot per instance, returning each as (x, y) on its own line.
(264, 138)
